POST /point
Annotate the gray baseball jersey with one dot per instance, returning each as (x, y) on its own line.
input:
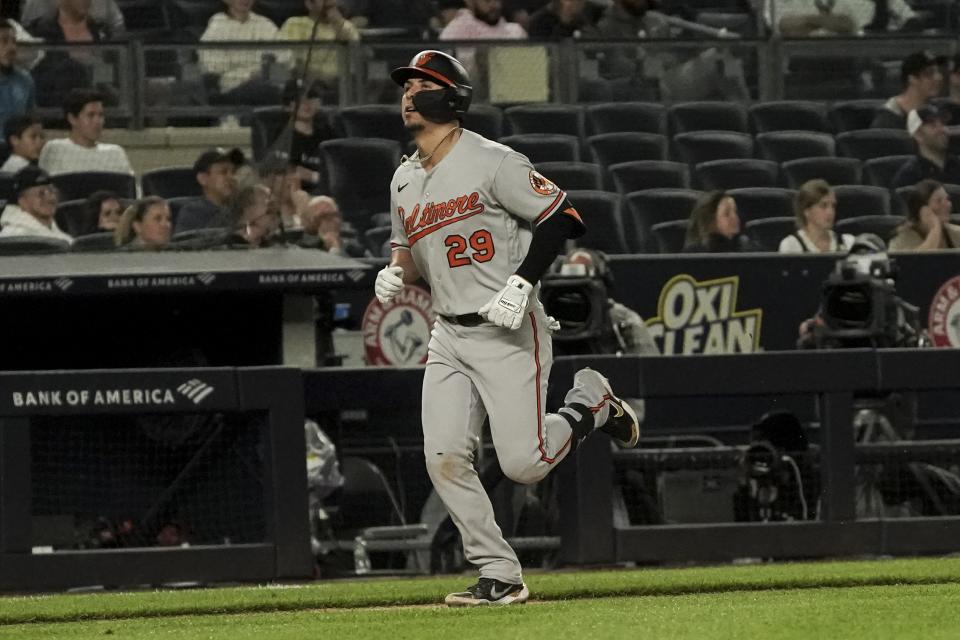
(468, 223)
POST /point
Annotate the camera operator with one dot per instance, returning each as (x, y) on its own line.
(576, 292)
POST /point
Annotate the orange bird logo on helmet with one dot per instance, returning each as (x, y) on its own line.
(424, 58)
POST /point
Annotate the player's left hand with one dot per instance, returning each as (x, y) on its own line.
(506, 308)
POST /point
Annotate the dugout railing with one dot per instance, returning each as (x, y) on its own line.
(271, 396)
(595, 530)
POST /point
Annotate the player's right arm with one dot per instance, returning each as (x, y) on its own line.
(401, 270)
(401, 257)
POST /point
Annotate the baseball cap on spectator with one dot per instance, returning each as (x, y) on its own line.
(29, 177)
(294, 87)
(924, 114)
(917, 62)
(211, 157)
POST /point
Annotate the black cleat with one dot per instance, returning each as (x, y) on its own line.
(489, 591)
(622, 424)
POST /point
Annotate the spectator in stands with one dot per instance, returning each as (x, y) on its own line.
(519, 11)
(283, 181)
(17, 90)
(933, 160)
(33, 214)
(105, 12)
(815, 207)
(322, 227)
(24, 135)
(332, 26)
(446, 11)
(82, 149)
(145, 225)
(805, 18)
(562, 19)
(927, 226)
(27, 59)
(304, 142)
(715, 226)
(61, 71)
(215, 169)
(710, 73)
(241, 73)
(105, 208)
(482, 20)
(921, 79)
(254, 219)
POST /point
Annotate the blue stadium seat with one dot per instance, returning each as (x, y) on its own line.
(652, 206)
(789, 115)
(93, 242)
(707, 116)
(374, 121)
(851, 115)
(883, 226)
(736, 174)
(881, 171)
(754, 203)
(600, 211)
(783, 146)
(702, 146)
(834, 170)
(170, 182)
(545, 147)
(359, 171)
(614, 117)
(768, 232)
(670, 236)
(875, 143)
(80, 184)
(573, 175)
(649, 174)
(613, 148)
(545, 118)
(485, 119)
(855, 200)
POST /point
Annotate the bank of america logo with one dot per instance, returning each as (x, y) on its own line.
(63, 283)
(206, 278)
(355, 275)
(195, 390)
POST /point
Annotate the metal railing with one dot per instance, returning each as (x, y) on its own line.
(153, 84)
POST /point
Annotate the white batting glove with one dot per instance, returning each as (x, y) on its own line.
(389, 284)
(506, 308)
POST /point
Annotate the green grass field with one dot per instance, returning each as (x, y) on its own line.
(916, 598)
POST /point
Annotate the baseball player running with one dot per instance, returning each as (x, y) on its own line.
(475, 220)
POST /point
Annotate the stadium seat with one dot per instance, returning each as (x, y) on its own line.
(670, 236)
(614, 117)
(376, 239)
(789, 115)
(267, 123)
(78, 185)
(834, 170)
(783, 146)
(735, 174)
(7, 188)
(485, 119)
(702, 146)
(600, 211)
(883, 226)
(707, 116)
(93, 242)
(170, 182)
(175, 204)
(649, 174)
(572, 175)
(899, 203)
(855, 200)
(382, 219)
(72, 217)
(374, 121)
(768, 232)
(851, 115)
(200, 239)
(649, 207)
(614, 148)
(875, 143)
(880, 171)
(27, 245)
(545, 147)
(545, 118)
(755, 203)
(359, 171)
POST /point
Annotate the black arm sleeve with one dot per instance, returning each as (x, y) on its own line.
(547, 243)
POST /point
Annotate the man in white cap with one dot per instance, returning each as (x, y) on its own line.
(933, 161)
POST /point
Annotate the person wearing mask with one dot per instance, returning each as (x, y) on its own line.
(921, 79)
(145, 225)
(815, 207)
(933, 161)
(715, 226)
(25, 137)
(33, 214)
(927, 227)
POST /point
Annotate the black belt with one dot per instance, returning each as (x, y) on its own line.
(465, 319)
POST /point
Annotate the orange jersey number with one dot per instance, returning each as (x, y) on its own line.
(481, 242)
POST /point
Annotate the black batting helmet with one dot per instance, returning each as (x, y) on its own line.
(443, 69)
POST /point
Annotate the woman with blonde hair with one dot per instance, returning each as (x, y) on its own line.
(715, 226)
(144, 225)
(815, 207)
(927, 226)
